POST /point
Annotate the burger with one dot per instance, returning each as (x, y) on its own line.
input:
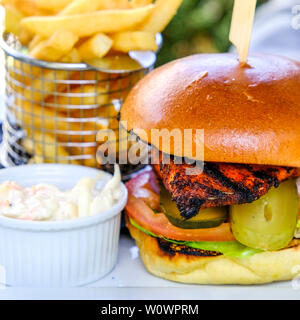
(234, 221)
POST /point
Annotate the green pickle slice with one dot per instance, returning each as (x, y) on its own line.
(206, 218)
(268, 223)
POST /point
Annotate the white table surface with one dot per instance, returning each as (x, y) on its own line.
(130, 280)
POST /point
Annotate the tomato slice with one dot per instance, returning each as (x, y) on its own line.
(159, 224)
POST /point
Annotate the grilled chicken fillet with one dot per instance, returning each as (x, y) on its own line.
(220, 184)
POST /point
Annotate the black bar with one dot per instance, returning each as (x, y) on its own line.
(136, 309)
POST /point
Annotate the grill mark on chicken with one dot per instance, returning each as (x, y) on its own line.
(220, 184)
(244, 193)
(173, 249)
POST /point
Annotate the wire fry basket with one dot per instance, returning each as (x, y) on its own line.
(54, 111)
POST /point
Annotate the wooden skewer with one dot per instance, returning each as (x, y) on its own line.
(241, 27)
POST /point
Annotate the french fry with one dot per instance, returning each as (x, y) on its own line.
(44, 147)
(106, 21)
(74, 7)
(57, 124)
(25, 36)
(121, 86)
(54, 48)
(93, 77)
(53, 5)
(13, 18)
(82, 96)
(81, 6)
(134, 40)
(87, 155)
(161, 15)
(72, 57)
(34, 42)
(22, 76)
(95, 47)
(101, 113)
(23, 73)
(28, 7)
(139, 3)
(115, 62)
(114, 4)
(38, 90)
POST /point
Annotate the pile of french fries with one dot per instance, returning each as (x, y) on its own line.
(80, 30)
(62, 120)
(74, 31)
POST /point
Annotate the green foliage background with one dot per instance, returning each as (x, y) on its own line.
(199, 26)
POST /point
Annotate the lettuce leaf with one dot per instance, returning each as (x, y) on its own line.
(227, 248)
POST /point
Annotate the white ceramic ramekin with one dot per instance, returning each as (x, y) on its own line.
(58, 253)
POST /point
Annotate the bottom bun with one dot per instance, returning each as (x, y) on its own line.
(208, 269)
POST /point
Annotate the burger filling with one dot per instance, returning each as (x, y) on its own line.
(232, 209)
(220, 184)
(228, 248)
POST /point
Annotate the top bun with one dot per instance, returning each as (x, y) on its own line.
(250, 114)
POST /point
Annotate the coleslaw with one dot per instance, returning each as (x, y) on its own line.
(46, 202)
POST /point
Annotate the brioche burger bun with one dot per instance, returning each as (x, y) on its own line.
(250, 115)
